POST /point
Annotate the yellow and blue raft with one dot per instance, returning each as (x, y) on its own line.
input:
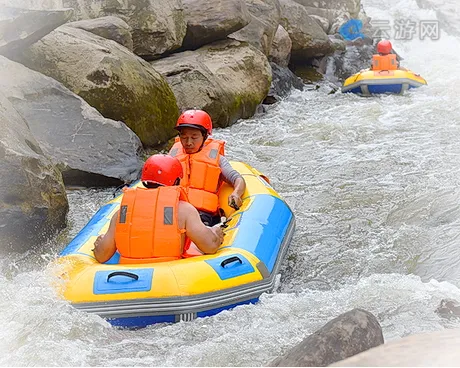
(369, 82)
(136, 295)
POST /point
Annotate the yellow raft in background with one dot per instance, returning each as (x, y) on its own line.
(244, 267)
(369, 82)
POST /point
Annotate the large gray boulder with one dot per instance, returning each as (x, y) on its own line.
(158, 26)
(33, 200)
(434, 349)
(346, 335)
(88, 149)
(308, 38)
(280, 51)
(332, 9)
(112, 28)
(265, 18)
(209, 21)
(228, 79)
(20, 28)
(119, 84)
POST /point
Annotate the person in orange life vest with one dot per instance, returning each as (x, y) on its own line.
(164, 223)
(204, 165)
(385, 60)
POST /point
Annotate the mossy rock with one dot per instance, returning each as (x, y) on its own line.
(120, 85)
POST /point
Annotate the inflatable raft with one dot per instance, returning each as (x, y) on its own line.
(369, 82)
(130, 295)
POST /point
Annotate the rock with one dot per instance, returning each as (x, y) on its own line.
(111, 28)
(434, 349)
(158, 26)
(120, 85)
(352, 60)
(280, 52)
(308, 38)
(323, 22)
(332, 9)
(338, 44)
(88, 149)
(33, 4)
(265, 18)
(449, 308)
(283, 80)
(33, 201)
(346, 335)
(20, 28)
(209, 21)
(228, 79)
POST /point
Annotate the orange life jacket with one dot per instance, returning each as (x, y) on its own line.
(384, 62)
(147, 228)
(201, 178)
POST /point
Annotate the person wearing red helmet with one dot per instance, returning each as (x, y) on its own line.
(205, 166)
(155, 223)
(384, 47)
(384, 60)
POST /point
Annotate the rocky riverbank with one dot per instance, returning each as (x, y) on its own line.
(95, 83)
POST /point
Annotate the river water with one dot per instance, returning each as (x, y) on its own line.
(375, 187)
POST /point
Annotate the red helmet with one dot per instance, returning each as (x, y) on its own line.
(161, 169)
(198, 119)
(384, 47)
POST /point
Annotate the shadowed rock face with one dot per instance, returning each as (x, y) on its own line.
(119, 84)
(33, 200)
(449, 308)
(349, 62)
(20, 28)
(347, 335)
(283, 81)
(88, 148)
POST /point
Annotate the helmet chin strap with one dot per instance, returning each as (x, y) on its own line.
(205, 136)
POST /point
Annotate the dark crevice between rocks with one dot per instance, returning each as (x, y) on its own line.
(79, 178)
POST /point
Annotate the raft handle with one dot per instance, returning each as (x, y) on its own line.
(231, 260)
(122, 273)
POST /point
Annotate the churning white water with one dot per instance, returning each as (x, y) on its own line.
(375, 187)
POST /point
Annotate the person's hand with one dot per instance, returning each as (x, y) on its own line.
(235, 201)
(217, 230)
